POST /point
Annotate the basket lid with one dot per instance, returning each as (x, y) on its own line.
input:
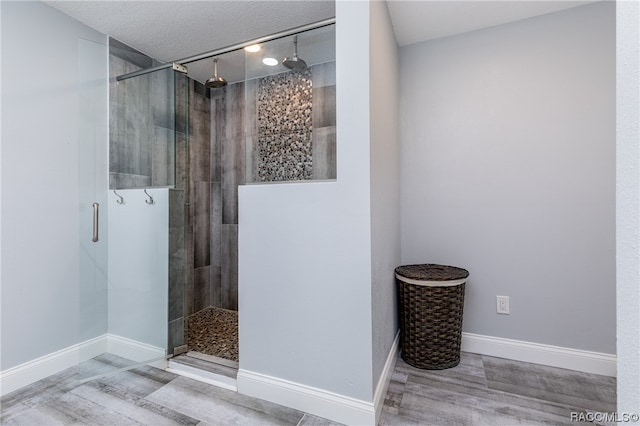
(432, 272)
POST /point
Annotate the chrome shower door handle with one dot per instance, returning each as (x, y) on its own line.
(96, 212)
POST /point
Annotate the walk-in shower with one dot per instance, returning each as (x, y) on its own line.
(200, 138)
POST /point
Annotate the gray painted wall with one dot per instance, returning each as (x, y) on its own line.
(628, 206)
(508, 169)
(41, 136)
(305, 253)
(385, 183)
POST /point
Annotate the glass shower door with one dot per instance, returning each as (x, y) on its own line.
(126, 167)
(142, 171)
(93, 133)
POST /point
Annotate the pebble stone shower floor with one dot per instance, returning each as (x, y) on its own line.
(214, 331)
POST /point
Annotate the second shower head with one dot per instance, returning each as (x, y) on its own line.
(215, 82)
(294, 63)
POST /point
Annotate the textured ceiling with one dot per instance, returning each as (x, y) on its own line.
(170, 30)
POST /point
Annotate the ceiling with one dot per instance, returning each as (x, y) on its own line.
(416, 21)
(171, 30)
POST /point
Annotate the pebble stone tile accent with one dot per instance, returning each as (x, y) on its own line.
(285, 127)
(214, 331)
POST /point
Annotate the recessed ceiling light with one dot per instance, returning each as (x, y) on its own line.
(253, 48)
(272, 62)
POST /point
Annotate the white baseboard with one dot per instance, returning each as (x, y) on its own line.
(31, 371)
(312, 400)
(385, 377)
(554, 356)
(132, 349)
(16, 377)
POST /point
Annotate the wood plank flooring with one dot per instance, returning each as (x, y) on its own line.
(482, 390)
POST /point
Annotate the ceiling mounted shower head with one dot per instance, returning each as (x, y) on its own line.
(295, 63)
(215, 82)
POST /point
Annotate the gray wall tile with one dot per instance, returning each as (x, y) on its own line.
(181, 160)
(199, 136)
(216, 223)
(218, 134)
(324, 106)
(251, 108)
(189, 269)
(233, 171)
(324, 153)
(324, 74)
(163, 157)
(113, 180)
(229, 258)
(161, 98)
(177, 254)
(251, 171)
(139, 107)
(202, 288)
(181, 102)
(216, 286)
(126, 180)
(176, 334)
(201, 207)
(234, 111)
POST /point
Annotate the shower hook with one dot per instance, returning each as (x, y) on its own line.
(150, 200)
(120, 197)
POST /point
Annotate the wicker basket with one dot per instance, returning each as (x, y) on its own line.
(431, 300)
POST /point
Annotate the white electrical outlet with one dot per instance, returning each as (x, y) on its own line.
(502, 305)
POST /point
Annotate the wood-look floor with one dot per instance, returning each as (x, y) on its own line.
(482, 390)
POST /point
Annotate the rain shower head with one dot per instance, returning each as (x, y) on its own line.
(215, 82)
(295, 63)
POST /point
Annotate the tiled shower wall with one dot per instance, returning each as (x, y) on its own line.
(141, 114)
(180, 223)
(291, 132)
(192, 215)
(209, 159)
(216, 152)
